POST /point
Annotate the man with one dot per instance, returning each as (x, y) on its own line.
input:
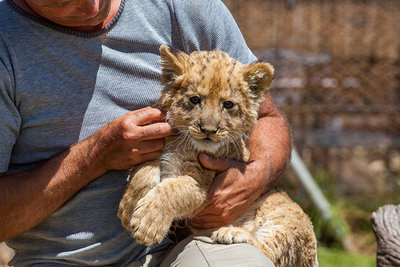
(77, 78)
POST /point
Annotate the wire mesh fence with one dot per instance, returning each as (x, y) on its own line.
(337, 82)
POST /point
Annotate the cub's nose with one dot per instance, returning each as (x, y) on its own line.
(208, 129)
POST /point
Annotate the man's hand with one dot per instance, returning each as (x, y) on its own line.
(235, 187)
(130, 139)
(122, 143)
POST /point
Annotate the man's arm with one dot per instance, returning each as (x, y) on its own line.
(27, 198)
(238, 184)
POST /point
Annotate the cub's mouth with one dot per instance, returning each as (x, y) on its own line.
(208, 139)
(209, 144)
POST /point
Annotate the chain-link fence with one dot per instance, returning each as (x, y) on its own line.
(338, 83)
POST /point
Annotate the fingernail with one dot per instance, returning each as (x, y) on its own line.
(205, 155)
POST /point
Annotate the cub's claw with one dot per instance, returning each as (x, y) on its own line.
(231, 235)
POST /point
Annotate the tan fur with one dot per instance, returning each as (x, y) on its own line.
(199, 90)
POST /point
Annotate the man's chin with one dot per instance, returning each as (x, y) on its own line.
(97, 21)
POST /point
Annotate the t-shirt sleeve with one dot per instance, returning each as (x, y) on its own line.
(10, 120)
(208, 25)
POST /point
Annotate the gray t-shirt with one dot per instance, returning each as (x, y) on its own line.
(59, 86)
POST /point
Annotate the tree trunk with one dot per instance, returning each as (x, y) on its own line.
(386, 225)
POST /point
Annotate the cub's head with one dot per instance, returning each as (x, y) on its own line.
(211, 98)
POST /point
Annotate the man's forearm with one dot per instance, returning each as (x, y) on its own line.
(26, 199)
(270, 145)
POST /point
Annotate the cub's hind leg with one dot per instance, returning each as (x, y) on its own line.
(288, 251)
(143, 178)
(286, 231)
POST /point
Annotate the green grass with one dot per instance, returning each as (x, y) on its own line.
(338, 258)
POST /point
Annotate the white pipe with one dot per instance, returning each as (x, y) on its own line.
(311, 187)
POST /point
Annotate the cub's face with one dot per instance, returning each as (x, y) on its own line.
(211, 99)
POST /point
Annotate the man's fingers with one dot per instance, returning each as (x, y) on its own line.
(155, 131)
(208, 222)
(211, 225)
(149, 156)
(200, 210)
(149, 146)
(219, 165)
(146, 115)
(205, 210)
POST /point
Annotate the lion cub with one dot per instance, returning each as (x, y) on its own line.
(212, 101)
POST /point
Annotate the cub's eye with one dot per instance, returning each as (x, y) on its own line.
(228, 104)
(195, 99)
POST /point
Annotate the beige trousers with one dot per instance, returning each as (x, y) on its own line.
(201, 252)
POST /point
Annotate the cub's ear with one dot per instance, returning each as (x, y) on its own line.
(259, 76)
(172, 63)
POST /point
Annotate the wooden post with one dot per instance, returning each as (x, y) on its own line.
(386, 225)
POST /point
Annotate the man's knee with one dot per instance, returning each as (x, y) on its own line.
(201, 252)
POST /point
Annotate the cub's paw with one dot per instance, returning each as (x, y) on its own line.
(125, 212)
(149, 225)
(231, 235)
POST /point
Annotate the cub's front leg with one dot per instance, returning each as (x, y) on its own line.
(173, 198)
(143, 178)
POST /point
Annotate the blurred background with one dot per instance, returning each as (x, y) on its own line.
(338, 84)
